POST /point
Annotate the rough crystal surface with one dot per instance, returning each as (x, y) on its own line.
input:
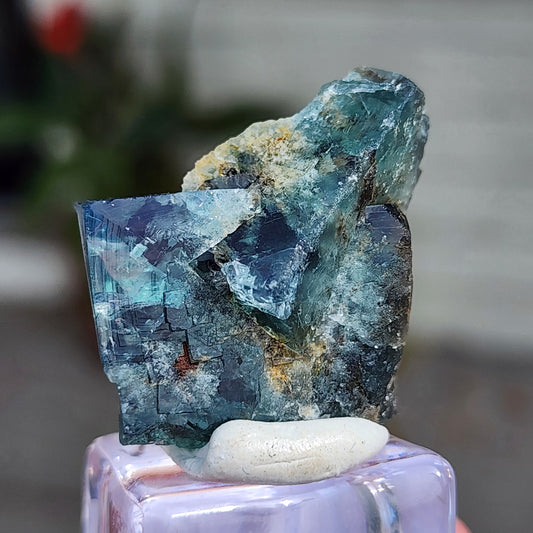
(278, 286)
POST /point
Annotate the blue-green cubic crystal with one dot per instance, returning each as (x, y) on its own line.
(277, 286)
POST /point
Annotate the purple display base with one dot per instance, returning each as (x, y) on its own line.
(405, 488)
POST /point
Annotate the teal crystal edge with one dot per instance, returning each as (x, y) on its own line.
(278, 285)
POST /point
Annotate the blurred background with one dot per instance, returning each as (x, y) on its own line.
(103, 98)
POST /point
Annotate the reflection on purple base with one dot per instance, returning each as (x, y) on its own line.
(138, 489)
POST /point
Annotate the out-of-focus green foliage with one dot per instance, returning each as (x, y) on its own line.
(102, 133)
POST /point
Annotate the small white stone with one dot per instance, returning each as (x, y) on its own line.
(282, 452)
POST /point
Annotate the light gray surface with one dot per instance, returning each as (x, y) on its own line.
(54, 399)
(476, 412)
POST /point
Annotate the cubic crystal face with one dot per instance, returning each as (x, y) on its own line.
(278, 285)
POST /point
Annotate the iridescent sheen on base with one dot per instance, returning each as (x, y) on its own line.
(405, 488)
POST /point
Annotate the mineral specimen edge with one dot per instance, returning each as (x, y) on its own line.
(277, 286)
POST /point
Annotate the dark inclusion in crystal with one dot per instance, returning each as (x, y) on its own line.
(278, 285)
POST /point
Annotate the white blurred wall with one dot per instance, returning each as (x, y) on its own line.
(471, 215)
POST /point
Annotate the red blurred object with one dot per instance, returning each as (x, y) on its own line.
(461, 527)
(63, 29)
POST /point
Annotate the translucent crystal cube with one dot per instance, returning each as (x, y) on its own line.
(405, 488)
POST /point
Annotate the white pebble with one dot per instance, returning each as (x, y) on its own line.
(282, 452)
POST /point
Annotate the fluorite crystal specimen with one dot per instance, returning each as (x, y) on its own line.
(278, 285)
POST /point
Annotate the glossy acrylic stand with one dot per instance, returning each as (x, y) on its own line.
(134, 489)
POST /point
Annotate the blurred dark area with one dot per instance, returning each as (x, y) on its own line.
(113, 98)
(18, 160)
